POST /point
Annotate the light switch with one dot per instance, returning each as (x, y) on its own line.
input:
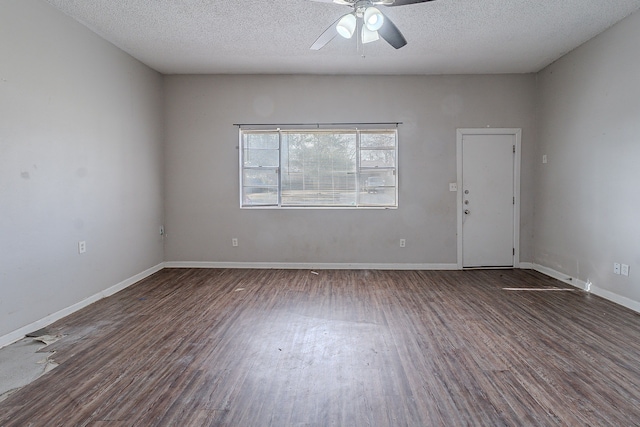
(544, 158)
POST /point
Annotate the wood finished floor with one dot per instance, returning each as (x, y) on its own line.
(191, 347)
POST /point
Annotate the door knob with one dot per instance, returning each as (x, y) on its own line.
(466, 211)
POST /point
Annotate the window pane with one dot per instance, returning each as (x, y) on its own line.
(261, 158)
(257, 196)
(261, 140)
(370, 180)
(377, 158)
(377, 188)
(377, 139)
(261, 150)
(319, 169)
(259, 177)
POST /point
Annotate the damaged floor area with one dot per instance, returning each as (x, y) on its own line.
(25, 361)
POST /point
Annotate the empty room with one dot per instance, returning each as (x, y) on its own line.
(319, 213)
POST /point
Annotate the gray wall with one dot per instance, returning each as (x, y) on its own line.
(202, 202)
(587, 198)
(80, 159)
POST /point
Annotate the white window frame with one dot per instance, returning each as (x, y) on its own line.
(358, 131)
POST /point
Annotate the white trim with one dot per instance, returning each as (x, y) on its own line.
(18, 334)
(588, 287)
(517, 133)
(309, 265)
(564, 278)
(618, 299)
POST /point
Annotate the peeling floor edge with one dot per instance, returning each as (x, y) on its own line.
(20, 333)
(25, 361)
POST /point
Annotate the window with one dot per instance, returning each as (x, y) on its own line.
(318, 168)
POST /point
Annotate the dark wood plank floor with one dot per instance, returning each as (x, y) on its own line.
(189, 347)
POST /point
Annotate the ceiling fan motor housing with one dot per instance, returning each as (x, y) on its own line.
(376, 24)
(361, 6)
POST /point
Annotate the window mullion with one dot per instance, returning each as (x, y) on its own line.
(357, 167)
(241, 165)
(395, 165)
(279, 170)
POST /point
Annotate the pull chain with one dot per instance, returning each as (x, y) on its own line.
(360, 42)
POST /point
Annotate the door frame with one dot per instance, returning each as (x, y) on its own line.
(517, 133)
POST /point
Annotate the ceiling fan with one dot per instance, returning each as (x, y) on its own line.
(373, 26)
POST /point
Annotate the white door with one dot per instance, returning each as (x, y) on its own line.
(488, 198)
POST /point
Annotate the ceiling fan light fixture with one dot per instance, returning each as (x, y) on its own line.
(369, 36)
(347, 25)
(373, 19)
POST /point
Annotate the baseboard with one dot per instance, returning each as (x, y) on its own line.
(20, 333)
(310, 266)
(573, 281)
(589, 287)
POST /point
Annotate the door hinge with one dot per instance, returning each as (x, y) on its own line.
(514, 200)
(514, 251)
(514, 148)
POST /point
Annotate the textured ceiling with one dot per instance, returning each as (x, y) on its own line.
(274, 36)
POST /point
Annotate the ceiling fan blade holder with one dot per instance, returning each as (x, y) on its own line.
(392, 34)
(333, 1)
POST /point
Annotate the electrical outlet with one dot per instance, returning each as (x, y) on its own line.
(453, 186)
(82, 247)
(616, 268)
(234, 241)
(624, 269)
(403, 243)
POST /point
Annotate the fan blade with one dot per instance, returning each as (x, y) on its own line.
(326, 36)
(335, 1)
(392, 34)
(404, 2)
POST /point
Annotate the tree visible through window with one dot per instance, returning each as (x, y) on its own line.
(318, 168)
